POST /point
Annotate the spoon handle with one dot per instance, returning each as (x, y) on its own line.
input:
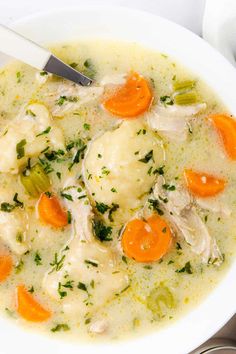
(17, 46)
(25, 50)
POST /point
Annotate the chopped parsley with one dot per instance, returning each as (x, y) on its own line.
(46, 131)
(67, 196)
(105, 171)
(89, 68)
(58, 175)
(18, 203)
(82, 286)
(186, 269)
(61, 292)
(60, 327)
(159, 170)
(167, 100)
(69, 217)
(124, 259)
(29, 112)
(38, 259)
(113, 208)
(18, 77)
(79, 154)
(102, 208)
(178, 246)
(54, 155)
(94, 264)
(73, 65)
(62, 99)
(7, 207)
(113, 190)
(147, 157)
(57, 263)
(168, 187)
(68, 284)
(31, 290)
(86, 126)
(154, 204)
(102, 232)
(20, 150)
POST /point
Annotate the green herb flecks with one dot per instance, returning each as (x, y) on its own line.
(147, 157)
(20, 149)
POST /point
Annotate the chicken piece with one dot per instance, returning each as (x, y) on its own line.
(87, 264)
(98, 327)
(178, 205)
(26, 136)
(216, 205)
(113, 79)
(173, 120)
(13, 225)
(69, 97)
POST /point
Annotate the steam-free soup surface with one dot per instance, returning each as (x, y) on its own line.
(117, 208)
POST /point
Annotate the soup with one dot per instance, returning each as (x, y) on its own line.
(117, 200)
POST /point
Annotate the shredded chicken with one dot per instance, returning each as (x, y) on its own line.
(216, 205)
(173, 120)
(70, 97)
(181, 211)
(86, 262)
(28, 129)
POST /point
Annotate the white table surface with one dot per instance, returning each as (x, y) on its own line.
(185, 12)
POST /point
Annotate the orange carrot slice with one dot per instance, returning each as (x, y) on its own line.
(226, 128)
(29, 308)
(203, 185)
(6, 265)
(51, 212)
(132, 99)
(147, 241)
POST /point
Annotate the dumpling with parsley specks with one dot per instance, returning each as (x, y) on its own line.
(119, 169)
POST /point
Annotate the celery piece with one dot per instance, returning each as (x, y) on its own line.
(159, 300)
(35, 180)
(183, 85)
(187, 98)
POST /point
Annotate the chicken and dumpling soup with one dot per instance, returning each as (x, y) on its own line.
(117, 200)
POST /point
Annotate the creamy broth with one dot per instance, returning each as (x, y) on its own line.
(188, 279)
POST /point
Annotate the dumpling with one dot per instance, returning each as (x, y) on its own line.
(26, 136)
(86, 261)
(119, 167)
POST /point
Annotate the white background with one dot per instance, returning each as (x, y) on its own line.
(185, 12)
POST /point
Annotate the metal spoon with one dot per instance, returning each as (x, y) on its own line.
(21, 48)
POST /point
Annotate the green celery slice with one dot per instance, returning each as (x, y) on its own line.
(36, 181)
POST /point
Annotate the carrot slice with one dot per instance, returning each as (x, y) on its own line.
(6, 265)
(226, 128)
(203, 185)
(132, 99)
(51, 212)
(147, 241)
(29, 308)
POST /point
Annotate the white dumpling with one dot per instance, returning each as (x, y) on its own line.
(27, 127)
(85, 260)
(113, 171)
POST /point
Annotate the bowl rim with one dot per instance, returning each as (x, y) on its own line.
(190, 342)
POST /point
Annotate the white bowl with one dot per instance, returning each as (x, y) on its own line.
(151, 31)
